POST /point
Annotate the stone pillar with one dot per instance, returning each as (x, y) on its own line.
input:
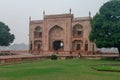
(68, 35)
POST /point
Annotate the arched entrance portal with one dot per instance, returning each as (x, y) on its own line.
(57, 45)
(56, 38)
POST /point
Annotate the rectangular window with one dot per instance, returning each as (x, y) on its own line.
(38, 47)
(86, 47)
(78, 47)
(79, 33)
(40, 34)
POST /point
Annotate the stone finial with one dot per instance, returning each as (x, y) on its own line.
(70, 10)
(89, 14)
(44, 12)
(29, 18)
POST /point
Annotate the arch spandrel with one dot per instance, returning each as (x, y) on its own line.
(53, 25)
(56, 28)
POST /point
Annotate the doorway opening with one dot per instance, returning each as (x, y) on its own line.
(57, 45)
(78, 47)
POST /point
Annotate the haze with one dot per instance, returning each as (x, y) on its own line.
(15, 13)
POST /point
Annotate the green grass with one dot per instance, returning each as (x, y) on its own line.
(72, 69)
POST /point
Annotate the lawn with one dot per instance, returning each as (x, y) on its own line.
(71, 69)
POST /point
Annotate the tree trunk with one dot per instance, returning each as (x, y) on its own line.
(119, 50)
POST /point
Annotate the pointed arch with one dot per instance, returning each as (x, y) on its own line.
(38, 28)
(54, 27)
(55, 33)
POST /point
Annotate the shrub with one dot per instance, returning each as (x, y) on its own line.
(53, 57)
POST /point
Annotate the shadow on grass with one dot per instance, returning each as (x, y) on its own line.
(111, 58)
(107, 67)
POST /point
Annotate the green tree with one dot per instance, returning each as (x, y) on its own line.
(106, 26)
(5, 36)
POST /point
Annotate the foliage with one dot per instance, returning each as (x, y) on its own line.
(53, 57)
(106, 26)
(5, 36)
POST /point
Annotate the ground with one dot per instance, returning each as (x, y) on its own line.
(71, 69)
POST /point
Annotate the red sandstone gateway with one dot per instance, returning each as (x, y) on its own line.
(61, 34)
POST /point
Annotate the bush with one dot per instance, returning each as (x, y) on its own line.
(53, 57)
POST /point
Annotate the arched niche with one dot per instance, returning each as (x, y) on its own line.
(38, 32)
(77, 30)
(38, 45)
(77, 45)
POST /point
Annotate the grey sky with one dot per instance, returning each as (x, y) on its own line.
(15, 13)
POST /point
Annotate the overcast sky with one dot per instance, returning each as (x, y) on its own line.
(15, 13)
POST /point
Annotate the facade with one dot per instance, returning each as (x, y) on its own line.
(61, 34)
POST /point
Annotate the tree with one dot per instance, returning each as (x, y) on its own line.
(5, 36)
(106, 26)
